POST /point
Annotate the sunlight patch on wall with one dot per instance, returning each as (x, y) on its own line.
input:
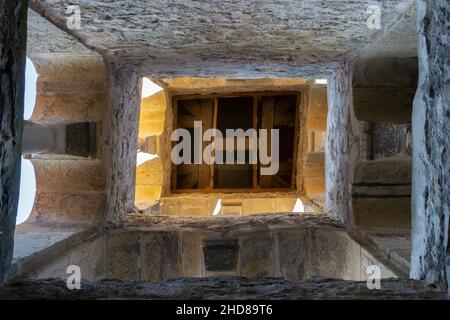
(31, 77)
(143, 157)
(298, 207)
(149, 88)
(27, 191)
(321, 81)
(218, 207)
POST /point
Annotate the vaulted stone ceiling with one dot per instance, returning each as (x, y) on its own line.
(245, 38)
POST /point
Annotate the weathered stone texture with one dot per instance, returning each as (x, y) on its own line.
(149, 183)
(191, 254)
(391, 140)
(223, 288)
(221, 255)
(431, 144)
(342, 148)
(287, 246)
(161, 256)
(383, 89)
(123, 257)
(394, 246)
(71, 98)
(13, 29)
(381, 193)
(257, 255)
(293, 254)
(68, 191)
(315, 177)
(72, 84)
(121, 142)
(231, 38)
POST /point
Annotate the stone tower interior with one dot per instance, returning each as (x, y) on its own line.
(363, 116)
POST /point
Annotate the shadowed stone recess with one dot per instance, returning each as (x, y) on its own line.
(220, 255)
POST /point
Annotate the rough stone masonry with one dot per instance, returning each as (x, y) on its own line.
(13, 26)
(431, 145)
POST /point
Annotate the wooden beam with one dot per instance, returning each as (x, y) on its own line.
(236, 190)
(235, 95)
(175, 126)
(206, 116)
(267, 123)
(255, 126)
(214, 126)
(300, 102)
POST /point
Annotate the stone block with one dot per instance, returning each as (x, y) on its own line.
(69, 175)
(255, 206)
(91, 258)
(395, 170)
(54, 269)
(69, 207)
(293, 247)
(257, 255)
(384, 104)
(221, 255)
(317, 109)
(161, 256)
(191, 254)
(284, 204)
(367, 259)
(124, 252)
(328, 253)
(382, 212)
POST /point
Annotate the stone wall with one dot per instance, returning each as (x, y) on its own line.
(384, 83)
(391, 140)
(13, 30)
(289, 253)
(431, 145)
(68, 191)
(316, 128)
(72, 88)
(235, 39)
(381, 193)
(342, 149)
(383, 89)
(121, 142)
(197, 205)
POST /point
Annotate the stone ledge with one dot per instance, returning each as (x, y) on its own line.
(221, 288)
